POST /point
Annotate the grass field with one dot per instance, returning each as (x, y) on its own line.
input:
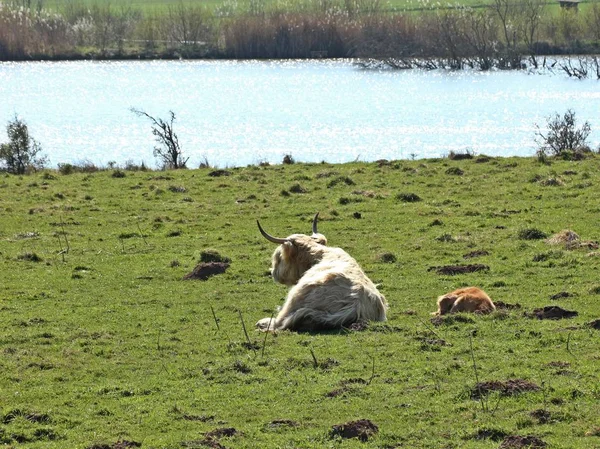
(105, 346)
(150, 6)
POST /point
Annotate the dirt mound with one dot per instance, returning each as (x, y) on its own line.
(478, 253)
(544, 416)
(585, 244)
(211, 438)
(551, 313)
(595, 324)
(346, 386)
(282, 423)
(118, 445)
(205, 270)
(452, 270)
(487, 433)
(563, 237)
(500, 305)
(218, 173)
(509, 387)
(203, 443)
(570, 240)
(221, 432)
(363, 429)
(517, 441)
(561, 295)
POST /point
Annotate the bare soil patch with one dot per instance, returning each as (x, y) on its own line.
(453, 270)
(432, 344)
(594, 324)
(211, 438)
(544, 416)
(282, 423)
(559, 364)
(124, 444)
(505, 388)
(363, 429)
(478, 253)
(561, 295)
(551, 313)
(487, 433)
(518, 441)
(500, 305)
(203, 443)
(38, 418)
(584, 244)
(346, 386)
(221, 432)
(205, 270)
(219, 173)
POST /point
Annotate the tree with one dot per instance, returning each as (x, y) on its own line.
(21, 152)
(168, 151)
(563, 138)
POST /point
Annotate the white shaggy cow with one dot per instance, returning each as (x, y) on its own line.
(469, 299)
(329, 289)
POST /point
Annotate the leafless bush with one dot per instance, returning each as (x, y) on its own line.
(581, 67)
(569, 26)
(168, 150)
(593, 20)
(481, 36)
(563, 138)
(189, 26)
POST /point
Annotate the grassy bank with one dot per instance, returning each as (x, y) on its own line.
(104, 345)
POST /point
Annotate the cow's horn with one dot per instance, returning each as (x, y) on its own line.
(270, 238)
(314, 227)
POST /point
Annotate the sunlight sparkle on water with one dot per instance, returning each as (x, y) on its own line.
(238, 113)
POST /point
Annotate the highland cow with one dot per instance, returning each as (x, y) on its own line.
(469, 299)
(329, 289)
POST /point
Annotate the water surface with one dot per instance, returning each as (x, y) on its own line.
(237, 113)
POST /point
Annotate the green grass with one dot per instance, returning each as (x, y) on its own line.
(149, 6)
(144, 5)
(102, 341)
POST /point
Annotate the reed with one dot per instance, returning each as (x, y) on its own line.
(498, 34)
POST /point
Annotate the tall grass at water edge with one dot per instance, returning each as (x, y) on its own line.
(332, 28)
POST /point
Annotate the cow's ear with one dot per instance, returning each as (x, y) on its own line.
(289, 249)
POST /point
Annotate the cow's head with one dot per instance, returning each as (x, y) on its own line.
(295, 254)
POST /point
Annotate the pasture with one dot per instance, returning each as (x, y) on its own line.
(152, 6)
(104, 345)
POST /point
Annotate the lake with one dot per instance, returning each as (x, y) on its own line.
(235, 113)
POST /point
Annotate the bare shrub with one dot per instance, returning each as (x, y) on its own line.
(168, 151)
(563, 138)
(593, 20)
(188, 26)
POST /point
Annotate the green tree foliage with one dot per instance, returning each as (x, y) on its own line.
(21, 152)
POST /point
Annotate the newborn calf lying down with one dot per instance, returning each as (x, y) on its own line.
(469, 299)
